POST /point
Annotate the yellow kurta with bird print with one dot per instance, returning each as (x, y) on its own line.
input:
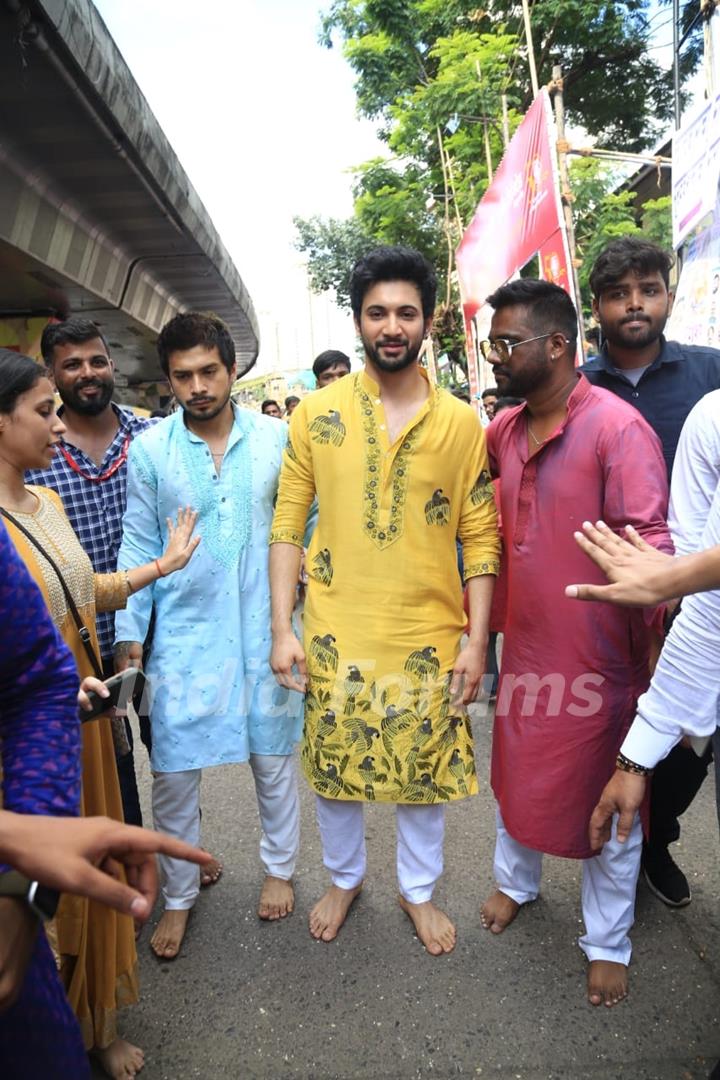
(383, 612)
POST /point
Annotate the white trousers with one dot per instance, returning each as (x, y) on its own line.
(176, 811)
(420, 835)
(609, 881)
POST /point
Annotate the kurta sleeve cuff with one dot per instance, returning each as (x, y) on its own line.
(478, 569)
(645, 745)
(287, 536)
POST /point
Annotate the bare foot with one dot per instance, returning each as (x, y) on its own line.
(498, 912)
(277, 898)
(211, 874)
(432, 926)
(120, 1059)
(330, 912)
(606, 982)
(169, 934)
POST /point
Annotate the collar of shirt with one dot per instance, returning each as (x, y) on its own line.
(128, 424)
(669, 354)
(372, 388)
(236, 432)
(519, 419)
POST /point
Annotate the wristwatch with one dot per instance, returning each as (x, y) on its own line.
(42, 901)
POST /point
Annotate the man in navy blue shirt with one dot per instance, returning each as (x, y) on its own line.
(663, 380)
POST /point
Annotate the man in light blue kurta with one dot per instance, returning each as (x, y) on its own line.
(214, 699)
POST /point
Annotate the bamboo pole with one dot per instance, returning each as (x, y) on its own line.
(565, 192)
(530, 48)
(505, 121)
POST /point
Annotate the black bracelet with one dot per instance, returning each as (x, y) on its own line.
(626, 765)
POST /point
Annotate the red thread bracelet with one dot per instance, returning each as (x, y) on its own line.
(159, 568)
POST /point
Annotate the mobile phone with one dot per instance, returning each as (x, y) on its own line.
(123, 688)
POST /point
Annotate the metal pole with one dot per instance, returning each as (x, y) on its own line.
(565, 192)
(530, 49)
(676, 61)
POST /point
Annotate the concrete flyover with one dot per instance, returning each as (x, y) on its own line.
(97, 216)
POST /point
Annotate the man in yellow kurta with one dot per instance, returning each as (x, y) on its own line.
(400, 471)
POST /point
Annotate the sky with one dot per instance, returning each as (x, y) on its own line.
(262, 119)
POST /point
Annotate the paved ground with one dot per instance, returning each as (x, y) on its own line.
(252, 1000)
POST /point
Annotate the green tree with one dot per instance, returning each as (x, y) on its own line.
(432, 74)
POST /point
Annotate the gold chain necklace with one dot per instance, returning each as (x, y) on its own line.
(534, 437)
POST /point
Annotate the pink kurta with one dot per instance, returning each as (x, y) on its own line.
(571, 671)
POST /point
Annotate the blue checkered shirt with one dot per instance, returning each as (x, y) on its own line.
(95, 509)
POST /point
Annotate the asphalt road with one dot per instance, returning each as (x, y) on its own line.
(253, 1000)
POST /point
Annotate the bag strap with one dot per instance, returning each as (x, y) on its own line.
(82, 629)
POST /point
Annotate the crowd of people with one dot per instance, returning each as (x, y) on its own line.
(298, 583)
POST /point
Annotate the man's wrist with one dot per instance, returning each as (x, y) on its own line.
(626, 765)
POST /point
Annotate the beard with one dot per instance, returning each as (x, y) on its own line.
(73, 399)
(212, 410)
(396, 363)
(635, 339)
(520, 384)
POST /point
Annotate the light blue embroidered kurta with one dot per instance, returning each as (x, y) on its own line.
(214, 699)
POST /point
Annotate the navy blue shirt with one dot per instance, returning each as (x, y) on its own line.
(666, 391)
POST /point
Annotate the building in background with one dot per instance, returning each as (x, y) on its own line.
(97, 216)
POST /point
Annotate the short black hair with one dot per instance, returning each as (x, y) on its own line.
(73, 331)
(551, 307)
(192, 328)
(490, 391)
(629, 253)
(269, 401)
(18, 374)
(393, 264)
(507, 402)
(292, 400)
(329, 359)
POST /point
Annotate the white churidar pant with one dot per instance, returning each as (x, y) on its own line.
(176, 811)
(420, 835)
(609, 881)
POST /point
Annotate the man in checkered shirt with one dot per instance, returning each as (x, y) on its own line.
(89, 472)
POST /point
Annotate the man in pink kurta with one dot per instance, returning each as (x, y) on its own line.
(570, 678)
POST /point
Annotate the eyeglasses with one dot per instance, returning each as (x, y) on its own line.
(502, 348)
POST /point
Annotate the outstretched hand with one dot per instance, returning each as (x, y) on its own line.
(638, 573)
(181, 543)
(84, 856)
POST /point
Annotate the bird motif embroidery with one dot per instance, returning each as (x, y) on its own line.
(459, 770)
(323, 566)
(354, 685)
(437, 509)
(328, 429)
(421, 736)
(367, 771)
(324, 653)
(482, 490)
(450, 734)
(326, 726)
(423, 662)
(361, 735)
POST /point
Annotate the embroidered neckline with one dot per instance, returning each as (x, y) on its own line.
(384, 535)
(223, 545)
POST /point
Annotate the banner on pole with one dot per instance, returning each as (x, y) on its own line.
(520, 215)
(696, 170)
